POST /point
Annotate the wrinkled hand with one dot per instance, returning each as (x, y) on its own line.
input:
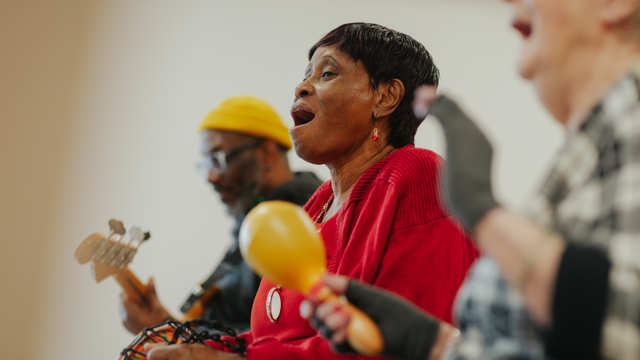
(466, 188)
(408, 332)
(187, 352)
(137, 314)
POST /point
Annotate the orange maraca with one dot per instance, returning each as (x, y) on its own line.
(280, 242)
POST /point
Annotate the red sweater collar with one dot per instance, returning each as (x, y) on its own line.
(363, 184)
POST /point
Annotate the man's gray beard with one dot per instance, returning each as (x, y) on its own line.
(244, 202)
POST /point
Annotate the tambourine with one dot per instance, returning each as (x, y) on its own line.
(175, 332)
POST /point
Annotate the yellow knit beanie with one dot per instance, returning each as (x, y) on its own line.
(248, 115)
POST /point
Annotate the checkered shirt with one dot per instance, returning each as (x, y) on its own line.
(591, 195)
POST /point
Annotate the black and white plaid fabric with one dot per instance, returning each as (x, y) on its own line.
(591, 195)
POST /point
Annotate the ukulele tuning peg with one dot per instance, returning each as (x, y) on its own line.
(117, 227)
(135, 235)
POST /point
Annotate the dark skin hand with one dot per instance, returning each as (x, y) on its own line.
(187, 352)
(137, 314)
(408, 332)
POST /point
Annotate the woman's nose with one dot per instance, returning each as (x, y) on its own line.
(303, 89)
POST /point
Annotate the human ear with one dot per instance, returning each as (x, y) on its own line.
(389, 96)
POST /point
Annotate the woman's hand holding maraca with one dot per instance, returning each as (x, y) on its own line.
(408, 332)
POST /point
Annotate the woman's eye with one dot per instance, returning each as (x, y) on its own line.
(327, 74)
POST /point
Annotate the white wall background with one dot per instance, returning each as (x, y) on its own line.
(100, 105)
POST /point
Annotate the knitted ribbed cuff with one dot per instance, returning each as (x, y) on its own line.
(579, 303)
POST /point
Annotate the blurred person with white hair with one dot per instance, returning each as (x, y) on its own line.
(562, 281)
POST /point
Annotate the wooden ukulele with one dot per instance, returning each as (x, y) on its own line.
(111, 255)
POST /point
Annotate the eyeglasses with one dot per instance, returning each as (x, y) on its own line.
(220, 160)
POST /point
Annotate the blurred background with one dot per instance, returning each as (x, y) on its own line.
(99, 106)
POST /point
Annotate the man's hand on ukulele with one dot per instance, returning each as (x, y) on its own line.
(137, 313)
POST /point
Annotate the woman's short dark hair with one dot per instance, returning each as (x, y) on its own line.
(386, 55)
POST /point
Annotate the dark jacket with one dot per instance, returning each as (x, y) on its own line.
(236, 282)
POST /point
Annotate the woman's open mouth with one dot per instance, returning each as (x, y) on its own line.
(301, 114)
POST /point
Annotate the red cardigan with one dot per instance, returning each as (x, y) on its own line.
(391, 233)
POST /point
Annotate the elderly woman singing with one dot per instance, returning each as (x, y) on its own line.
(379, 215)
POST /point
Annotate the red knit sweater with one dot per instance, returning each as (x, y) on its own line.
(391, 233)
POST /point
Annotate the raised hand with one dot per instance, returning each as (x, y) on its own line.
(466, 187)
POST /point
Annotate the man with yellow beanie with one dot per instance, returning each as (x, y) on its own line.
(244, 148)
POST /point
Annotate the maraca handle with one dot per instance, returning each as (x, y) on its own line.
(363, 333)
